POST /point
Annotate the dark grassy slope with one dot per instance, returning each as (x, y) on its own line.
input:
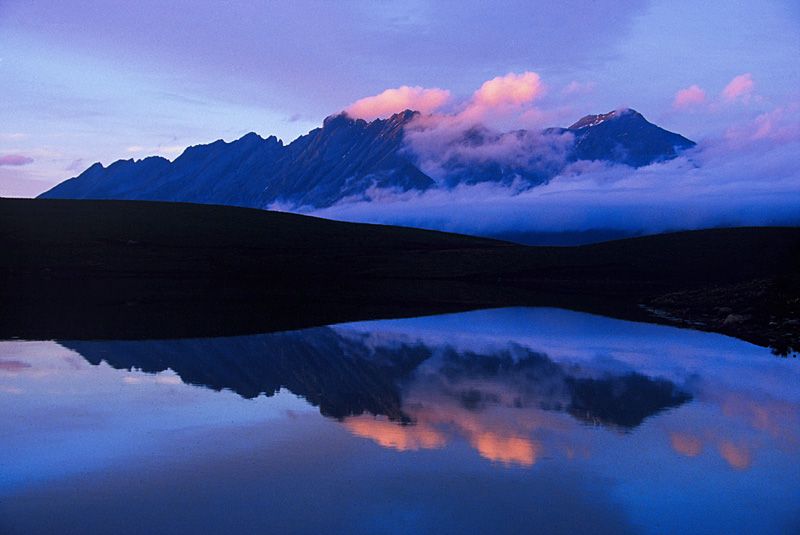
(127, 269)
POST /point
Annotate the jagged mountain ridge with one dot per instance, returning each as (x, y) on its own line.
(347, 157)
(344, 157)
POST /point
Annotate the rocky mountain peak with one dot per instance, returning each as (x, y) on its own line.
(595, 120)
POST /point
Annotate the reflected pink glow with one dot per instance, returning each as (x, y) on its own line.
(688, 445)
(502, 433)
(494, 446)
(507, 450)
(739, 457)
(741, 415)
(507, 424)
(772, 416)
(392, 435)
(695, 468)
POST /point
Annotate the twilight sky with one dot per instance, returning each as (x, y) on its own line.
(85, 81)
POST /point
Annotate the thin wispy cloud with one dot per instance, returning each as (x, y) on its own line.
(149, 150)
(15, 159)
(77, 165)
(577, 88)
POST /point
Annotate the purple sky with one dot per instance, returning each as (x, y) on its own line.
(87, 81)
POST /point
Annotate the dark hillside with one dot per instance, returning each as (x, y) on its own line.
(177, 268)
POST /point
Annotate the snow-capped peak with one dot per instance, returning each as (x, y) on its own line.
(594, 120)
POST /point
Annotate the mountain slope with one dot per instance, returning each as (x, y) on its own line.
(628, 136)
(347, 157)
(344, 157)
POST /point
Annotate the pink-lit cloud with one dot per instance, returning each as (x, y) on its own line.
(13, 365)
(503, 101)
(15, 159)
(394, 101)
(690, 98)
(476, 129)
(509, 90)
(740, 89)
(781, 125)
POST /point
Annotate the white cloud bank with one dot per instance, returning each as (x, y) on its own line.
(748, 176)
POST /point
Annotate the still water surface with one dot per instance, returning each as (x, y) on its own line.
(502, 421)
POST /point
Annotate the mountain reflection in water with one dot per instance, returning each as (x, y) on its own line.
(416, 386)
(497, 421)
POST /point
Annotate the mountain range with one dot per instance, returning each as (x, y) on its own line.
(348, 158)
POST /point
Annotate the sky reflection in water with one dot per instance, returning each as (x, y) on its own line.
(513, 420)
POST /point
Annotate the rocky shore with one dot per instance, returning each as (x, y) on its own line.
(765, 312)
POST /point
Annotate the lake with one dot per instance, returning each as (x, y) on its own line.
(520, 420)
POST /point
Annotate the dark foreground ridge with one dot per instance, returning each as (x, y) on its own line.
(133, 269)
